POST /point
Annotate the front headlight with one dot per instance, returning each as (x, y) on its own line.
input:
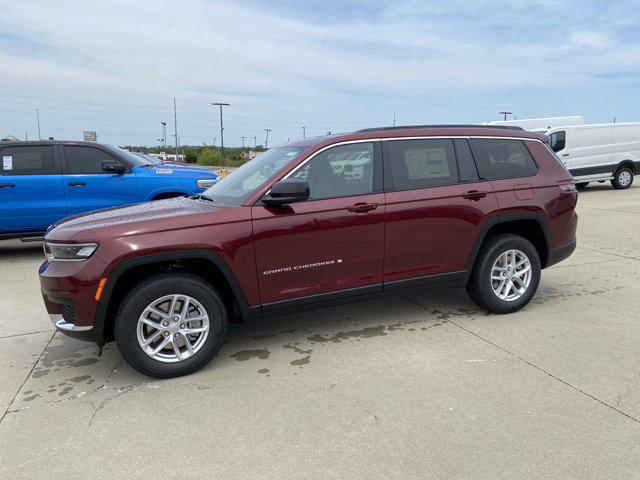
(206, 183)
(68, 251)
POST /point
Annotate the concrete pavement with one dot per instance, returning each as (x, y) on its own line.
(422, 385)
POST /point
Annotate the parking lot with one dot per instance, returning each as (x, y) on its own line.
(423, 385)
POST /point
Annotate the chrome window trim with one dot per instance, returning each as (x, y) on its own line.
(421, 137)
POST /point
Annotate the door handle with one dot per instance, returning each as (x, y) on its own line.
(565, 154)
(362, 207)
(7, 185)
(77, 184)
(474, 195)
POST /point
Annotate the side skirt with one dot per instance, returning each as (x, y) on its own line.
(342, 297)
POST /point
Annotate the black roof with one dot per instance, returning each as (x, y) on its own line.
(412, 127)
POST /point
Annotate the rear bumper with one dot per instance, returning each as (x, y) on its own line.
(558, 254)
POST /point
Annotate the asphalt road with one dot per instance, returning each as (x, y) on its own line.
(423, 385)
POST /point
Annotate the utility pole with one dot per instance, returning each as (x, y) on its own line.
(38, 117)
(394, 119)
(220, 104)
(175, 126)
(304, 132)
(255, 142)
(505, 114)
(243, 142)
(164, 134)
(266, 140)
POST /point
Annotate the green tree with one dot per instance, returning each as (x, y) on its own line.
(191, 155)
(210, 156)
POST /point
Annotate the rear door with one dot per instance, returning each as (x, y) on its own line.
(31, 192)
(333, 243)
(435, 206)
(88, 187)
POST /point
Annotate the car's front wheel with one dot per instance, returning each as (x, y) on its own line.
(170, 324)
(506, 274)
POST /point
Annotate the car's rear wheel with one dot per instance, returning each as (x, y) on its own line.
(623, 178)
(170, 324)
(506, 274)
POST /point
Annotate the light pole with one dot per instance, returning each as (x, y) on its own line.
(266, 140)
(221, 104)
(505, 115)
(38, 117)
(164, 134)
(304, 132)
(255, 142)
(243, 142)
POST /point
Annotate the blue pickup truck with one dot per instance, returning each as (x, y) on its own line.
(42, 182)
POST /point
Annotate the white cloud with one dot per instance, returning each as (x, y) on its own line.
(268, 61)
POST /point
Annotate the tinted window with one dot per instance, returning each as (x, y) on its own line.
(83, 160)
(28, 161)
(557, 141)
(466, 166)
(503, 158)
(422, 163)
(342, 171)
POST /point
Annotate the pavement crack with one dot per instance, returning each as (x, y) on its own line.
(627, 391)
(25, 334)
(629, 257)
(27, 377)
(533, 365)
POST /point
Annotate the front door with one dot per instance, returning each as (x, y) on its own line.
(88, 187)
(332, 243)
(435, 204)
(31, 193)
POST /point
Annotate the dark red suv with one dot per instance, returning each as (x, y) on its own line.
(311, 223)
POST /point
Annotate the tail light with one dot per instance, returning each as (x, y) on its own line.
(567, 186)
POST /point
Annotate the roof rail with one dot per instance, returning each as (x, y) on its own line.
(410, 127)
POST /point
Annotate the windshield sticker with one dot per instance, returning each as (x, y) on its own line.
(164, 171)
(7, 162)
(326, 263)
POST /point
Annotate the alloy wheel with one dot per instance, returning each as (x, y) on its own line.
(173, 328)
(511, 275)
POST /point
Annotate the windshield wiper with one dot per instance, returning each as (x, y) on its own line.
(202, 196)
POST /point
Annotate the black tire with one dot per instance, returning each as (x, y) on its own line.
(155, 287)
(479, 286)
(623, 178)
(582, 186)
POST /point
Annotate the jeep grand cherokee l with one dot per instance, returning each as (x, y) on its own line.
(476, 207)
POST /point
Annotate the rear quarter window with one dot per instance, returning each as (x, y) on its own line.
(499, 158)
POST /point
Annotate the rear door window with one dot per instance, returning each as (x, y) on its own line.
(86, 160)
(28, 160)
(499, 158)
(421, 163)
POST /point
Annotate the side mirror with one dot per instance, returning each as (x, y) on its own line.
(112, 167)
(289, 190)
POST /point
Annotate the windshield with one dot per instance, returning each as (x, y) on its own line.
(236, 187)
(135, 159)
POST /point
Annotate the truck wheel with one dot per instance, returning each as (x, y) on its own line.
(170, 324)
(506, 274)
(582, 186)
(622, 179)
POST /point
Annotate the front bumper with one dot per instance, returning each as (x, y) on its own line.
(68, 290)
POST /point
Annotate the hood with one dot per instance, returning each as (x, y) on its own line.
(148, 217)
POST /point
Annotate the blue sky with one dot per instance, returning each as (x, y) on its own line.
(115, 66)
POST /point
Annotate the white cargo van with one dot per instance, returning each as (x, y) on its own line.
(540, 125)
(609, 151)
